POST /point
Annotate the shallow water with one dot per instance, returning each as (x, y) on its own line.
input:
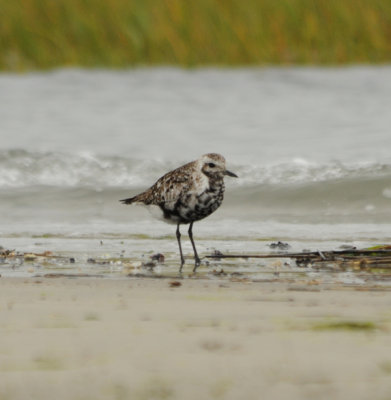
(311, 148)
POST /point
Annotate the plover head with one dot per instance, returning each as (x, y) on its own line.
(213, 166)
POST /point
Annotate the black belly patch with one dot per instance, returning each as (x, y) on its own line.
(204, 205)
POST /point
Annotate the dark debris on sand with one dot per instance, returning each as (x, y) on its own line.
(371, 258)
(374, 262)
(279, 246)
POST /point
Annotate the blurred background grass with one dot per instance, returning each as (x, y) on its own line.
(39, 34)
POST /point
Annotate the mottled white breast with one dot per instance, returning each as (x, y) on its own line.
(201, 183)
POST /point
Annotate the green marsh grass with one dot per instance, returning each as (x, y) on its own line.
(42, 34)
(345, 325)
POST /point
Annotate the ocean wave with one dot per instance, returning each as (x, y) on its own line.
(21, 169)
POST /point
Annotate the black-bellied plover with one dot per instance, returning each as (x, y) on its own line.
(187, 194)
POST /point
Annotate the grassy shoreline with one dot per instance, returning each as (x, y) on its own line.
(42, 34)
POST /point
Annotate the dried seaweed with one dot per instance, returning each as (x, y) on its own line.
(375, 257)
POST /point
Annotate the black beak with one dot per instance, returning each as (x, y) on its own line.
(229, 173)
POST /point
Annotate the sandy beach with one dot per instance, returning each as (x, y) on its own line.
(140, 338)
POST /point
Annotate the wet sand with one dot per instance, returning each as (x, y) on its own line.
(142, 338)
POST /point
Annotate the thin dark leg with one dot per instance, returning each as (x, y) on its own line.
(178, 236)
(197, 259)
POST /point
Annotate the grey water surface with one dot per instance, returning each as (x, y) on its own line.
(311, 147)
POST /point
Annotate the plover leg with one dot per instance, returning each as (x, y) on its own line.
(178, 236)
(197, 259)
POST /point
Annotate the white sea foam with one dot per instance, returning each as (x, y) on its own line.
(19, 168)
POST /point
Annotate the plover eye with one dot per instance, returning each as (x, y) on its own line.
(211, 165)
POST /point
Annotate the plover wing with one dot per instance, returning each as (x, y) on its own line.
(168, 189)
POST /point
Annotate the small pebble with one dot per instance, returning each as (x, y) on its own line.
(158, 257)
(279, 245)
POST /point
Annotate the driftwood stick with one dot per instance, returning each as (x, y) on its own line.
(279, 255)
(325, 255)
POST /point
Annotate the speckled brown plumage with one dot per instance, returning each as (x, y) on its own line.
(188, 194)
